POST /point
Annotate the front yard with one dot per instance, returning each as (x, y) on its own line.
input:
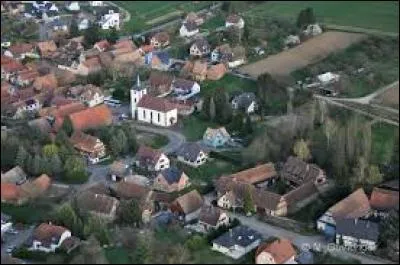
(194, 127)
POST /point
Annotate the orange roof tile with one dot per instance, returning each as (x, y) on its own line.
(255, 174)
(42, 182)
(91, 118)
(9, 192)
(383, 199)
(46, 82)
(281, 250)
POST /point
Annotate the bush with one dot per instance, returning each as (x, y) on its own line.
(196, 242)
(24, 253)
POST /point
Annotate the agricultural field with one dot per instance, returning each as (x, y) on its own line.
(309, 52)
(145, 14)
(389, 98)
(382, 16)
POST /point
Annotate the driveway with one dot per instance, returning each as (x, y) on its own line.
(15, 240)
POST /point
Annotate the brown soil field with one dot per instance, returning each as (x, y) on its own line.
(309, 52)
(390, 98)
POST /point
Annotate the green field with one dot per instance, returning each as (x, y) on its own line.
(29, 213)
(380, 15)
(230, 84)
(194, 127)
(144, 11)
(383, 138)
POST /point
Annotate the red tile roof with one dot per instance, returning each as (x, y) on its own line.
(155, 103)
(20, 48)
(46, 82)
(9, 192)
(46, 47)
(255, 174)
(383, 199)
(103, 45)
(216, 72)
(42, 182)
(91, 118)
(281, 250)
(12, 66)
(353, 206)
(83, 141)
(147, 154)
(46, 232)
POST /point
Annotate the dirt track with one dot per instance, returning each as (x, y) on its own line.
(311, 51)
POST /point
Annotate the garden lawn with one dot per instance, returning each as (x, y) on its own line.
(159, 141)
(364, 14)
(383, 138)
(213, 23)
(230, 83)
(194, 127)
(27, 214)
(117, 255)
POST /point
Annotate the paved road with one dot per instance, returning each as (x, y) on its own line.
(15, 240)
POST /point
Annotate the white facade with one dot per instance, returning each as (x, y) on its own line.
(84, 24)
(136, 95)
(35, 106)
(95, 100)
(236, 63)
(222, 220)
(240, 24)
(159, 118)
(162, 163)
(353, 242)
(236, 251)
(200, 160)
(195, 51)
(325, 219)
(74, 6)
(96, 3)
(183, 32)
(37, 245)
(110, 20)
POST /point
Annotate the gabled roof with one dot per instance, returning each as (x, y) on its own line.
(183, 84)
(130, 190)
(12, 66)
(10, 192)
(281, 250)
(20, 48)
(233, 19)
(100, 203)
(147, 155)
(358, 228)
(48, 234)
(210, 215)
(202, 44)
(14, 175)
(353, 206)
(240, 235)
(211, 132)
(102, 45)
(161, 37)
(384, 200)
(190, 202)
(155, 103)
(172, 175)
(298, 171)
(244, 100)
(163, 56)
(199, 68)
(256, 174)
(91, 118)
(216, 71)
(83, 141)
(46, 47)
(45, 82)
(159, 82)
(190, 151)
(190, 26)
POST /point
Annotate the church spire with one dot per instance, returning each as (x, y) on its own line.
(138, 81)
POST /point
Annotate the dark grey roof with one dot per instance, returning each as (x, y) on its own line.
(172, 175)
(240, 235)
(202, 44)
(189, 151)
(183, 84)
(190, 26)
(358, 228)
(244, 100)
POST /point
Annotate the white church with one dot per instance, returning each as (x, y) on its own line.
(149, 109)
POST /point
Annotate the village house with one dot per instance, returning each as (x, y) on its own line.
(16, 175)
(216, 72)
(188, 29)
(25, 78)
(199, 70)
(91, 147)
(192, 154)
(48, 237)
(118, 170)
(160, 40)
(245, 102)
(238, 57)
(216, 137)
(57, 114)
(58, 26)
(356, 205)
(83, 24)
(357, 233)
(10, 67)
(312, 30)
(212, 218)
(171, 179)
(72, 5)
(158, 60)
(108, 18)
(151, 159)
(188, 206)
(260, 175)
(45, 83)
(100, 205)
(200, 47)
(89, 66)
(102, 45)
(19, 51)
(159, 83)
(184, 88)
(280, 251)
(194, 18)
(383, 200)
(26, 107)
(92, 96)
(91, 118)
(234, 21)
(46, 48)
(237, 242)
(297, 172)
(220, 52)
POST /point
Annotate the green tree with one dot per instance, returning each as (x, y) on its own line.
(301, 150)
(98, 228)
(310, 17)
(226, 6)
(141, 253)
(248, 202)
(118, 143)
(212, 109)
(273, 96)
(237, 122)
(67, 126)
(74, 169)
(22, 157)
(374, 175)
(56, 166)
(92, 35)
(49, 150)
(301, 19)
(131, 138)
(196, 242)
(389, 234)
(37, 165)
(73, 29)
(248, 126)
(246, 33)
(129, 212)
(66, 216)
(61, 138)
(113, 36)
